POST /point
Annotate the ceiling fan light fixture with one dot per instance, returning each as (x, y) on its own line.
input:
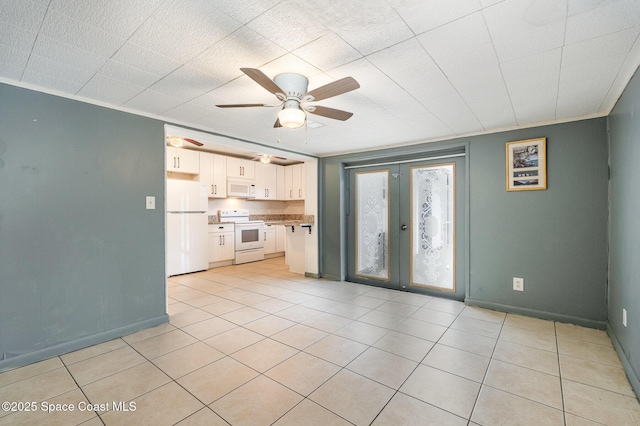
(176, 141)
(292, 118)
(265, 160)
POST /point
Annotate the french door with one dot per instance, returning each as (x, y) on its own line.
(405, 226)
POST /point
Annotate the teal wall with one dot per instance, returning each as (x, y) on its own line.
(81, 259)
(624, 235)
(555, 239)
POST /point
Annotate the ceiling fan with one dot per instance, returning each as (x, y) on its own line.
(179, 141)
(291, 91)
(266, 158)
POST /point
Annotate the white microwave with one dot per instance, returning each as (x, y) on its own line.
(241, 189)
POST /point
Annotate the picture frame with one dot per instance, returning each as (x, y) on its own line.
(527, 165)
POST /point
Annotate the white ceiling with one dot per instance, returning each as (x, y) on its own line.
(428, 69)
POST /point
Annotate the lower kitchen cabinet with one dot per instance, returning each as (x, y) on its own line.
(269, 239)
(221, 242)
(281, 238)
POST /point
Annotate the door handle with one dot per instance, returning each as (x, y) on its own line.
(403, 227)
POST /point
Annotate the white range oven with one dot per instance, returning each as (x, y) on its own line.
(249, 241)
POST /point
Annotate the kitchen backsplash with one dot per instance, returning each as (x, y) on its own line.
(303, 218)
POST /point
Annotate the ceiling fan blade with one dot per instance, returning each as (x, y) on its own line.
(277, 123)
(193, 141)
(336, 88)
(241, 105)
(336, 114)
(262, 79)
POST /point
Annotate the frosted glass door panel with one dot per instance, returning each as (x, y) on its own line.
(372, 224)
(433, 226)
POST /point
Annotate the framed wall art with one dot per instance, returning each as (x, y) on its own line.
(527, 165)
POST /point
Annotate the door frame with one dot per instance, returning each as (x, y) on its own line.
(380, 159)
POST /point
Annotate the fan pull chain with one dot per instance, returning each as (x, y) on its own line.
(306, 132)
(278, 141)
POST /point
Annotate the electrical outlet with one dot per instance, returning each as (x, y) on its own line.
(518, 284)
(151, 203)
(624, 317)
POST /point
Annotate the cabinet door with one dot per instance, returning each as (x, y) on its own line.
(296, 180)
(206, 172)
(280, 183)
(188, 161)
(227, 250)
(261, 173)
(219, 178)
(240, 169)
(281, 237)
(215, 242)
(288, 183)
(269, 239)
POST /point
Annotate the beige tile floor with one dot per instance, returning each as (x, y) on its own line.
(257, 345)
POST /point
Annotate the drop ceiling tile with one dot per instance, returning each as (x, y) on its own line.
(455, 113)
(481, 60)
(456, 38)
(186, 83)
(10, 70)
(627, 71)
(243, 49)
(289, 63)
(369, 29)
(423, 16)
(118, 91)
(117, 97)
(576, 7)
(58, 70)
(76, 33)
(513, 16)
(584, 87)
(183, 29)
(49, 81)
(487, 3)
(152, 102)
(68, 54)
(409, 65)
(16, 38)
(527, 68)
(525, 43)
(246, 10)
(188, 112)
(119, 17)
(327, 52)
(601, 47)
(138, 57)
(606, 19)
(128, 74)
(289, 24)
(25, 14)
(236, 93)
(12, 62)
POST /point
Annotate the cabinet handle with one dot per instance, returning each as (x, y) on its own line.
(291, 193)
(212, 191)
(300, 193)
(178, 162)
(219, 240)
(265, 236)
(174, 162)
(215, 189)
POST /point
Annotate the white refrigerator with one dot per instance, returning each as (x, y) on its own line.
(187, 239)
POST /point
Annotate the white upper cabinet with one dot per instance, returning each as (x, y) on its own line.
(238, 168)
(183, 160)
(280, 192)
(213, 173)
(266, 181)
(294, 179)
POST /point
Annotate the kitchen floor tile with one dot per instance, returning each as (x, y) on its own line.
(382, 367)
(244, 315)
(91, 351)
(163, 343)
(269, 401)
(524, 382)
(38, 388)
(269, 325)
(166, 405)
(31, 370)
(434, 317)
(303, 373)
(299, 336)
(104, 365)
(217, 379)
(352, 397)
(265, 354)
(483, 314)
(327, 322)
(208, 328)
(404, 345)
(600, 405)
(495, 407)
(309, 413)
(443, 390)
(595, 374)
(185, 360)
(455, 361)
(336, 349)
(469, 342)
(526, 356)
(233, 340)
(575, 332)
(407, 411)
(362, 332)
(533, 324)
(421, 329)
(603, 354)
(204, 417)
(535, 339)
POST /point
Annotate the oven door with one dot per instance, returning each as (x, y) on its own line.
(249, 236)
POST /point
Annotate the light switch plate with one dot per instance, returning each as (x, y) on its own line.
(151, 202)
